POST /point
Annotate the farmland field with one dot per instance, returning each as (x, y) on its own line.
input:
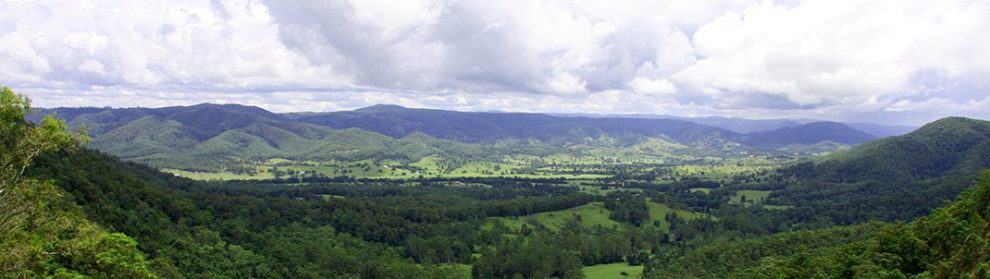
(612, 270)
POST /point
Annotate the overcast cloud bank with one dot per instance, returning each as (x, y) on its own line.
(885, 61)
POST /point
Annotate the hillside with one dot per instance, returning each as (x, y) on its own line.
(43, 232)
(184, 230)
(949, 146)
(225, 136)
(951, 242)
(897, 178)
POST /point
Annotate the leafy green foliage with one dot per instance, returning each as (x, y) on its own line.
(528, 259)
(56, 239)
(42, 233)
(628, 207)
(720, 257)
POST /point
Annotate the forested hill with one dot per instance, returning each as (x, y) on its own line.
(949, 146)
(211, 136)
(897, 178)
(951, 242)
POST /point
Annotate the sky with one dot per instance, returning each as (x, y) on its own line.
(893, 62)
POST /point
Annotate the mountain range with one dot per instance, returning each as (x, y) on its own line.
(480, 127)
(747, 125)
(192, 137)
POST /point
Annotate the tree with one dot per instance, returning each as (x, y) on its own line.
(42, 232)
(20, 143)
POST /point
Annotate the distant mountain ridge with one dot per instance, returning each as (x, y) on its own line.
(210, 136)
(478, 127)
(216, 135)
(811, 133)
(747, 125)
(397, 121)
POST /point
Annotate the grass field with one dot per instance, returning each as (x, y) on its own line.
(216, 175)
(592, 215)
(659, 211)
(612, 270)
(702, 190)
(597, 163)
(752, 197)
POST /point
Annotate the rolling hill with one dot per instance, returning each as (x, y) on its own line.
(949, 146)
(750, 125)
(219, 136)
(216, 137)
(486, 127)
(397, 121)
(896, 178)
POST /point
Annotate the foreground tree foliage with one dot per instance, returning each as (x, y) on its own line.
(42, 233)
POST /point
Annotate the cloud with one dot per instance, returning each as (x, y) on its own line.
(79, 44)
(840, 59)
(651, 86)
(542, 47)
(838, 52)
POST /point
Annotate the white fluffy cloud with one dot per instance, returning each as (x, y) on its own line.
(149, 44)
(837, 59)
(839, 52)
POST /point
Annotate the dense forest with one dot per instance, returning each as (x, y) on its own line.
(951, 242)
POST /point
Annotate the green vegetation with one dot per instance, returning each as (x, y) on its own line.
(218, 175)
(951, 242)
(310, 196)
(232, 141)
(613, 270)
(42, 233)
(722, 256)
(749, 197)
(660, 215)
(897, 178)
(592, 215)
